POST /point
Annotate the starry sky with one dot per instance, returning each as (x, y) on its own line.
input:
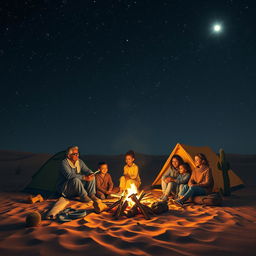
(110, 76)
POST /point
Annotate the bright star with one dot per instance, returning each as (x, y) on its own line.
(217, 28)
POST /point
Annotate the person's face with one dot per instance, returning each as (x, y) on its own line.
(175, 163)
(129, 160)
(182, 169)
(104, 168)
(74, 156)
(198, 161)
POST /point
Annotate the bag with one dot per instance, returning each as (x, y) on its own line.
(70, 214)
(214, 199)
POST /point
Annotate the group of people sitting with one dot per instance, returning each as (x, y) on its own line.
(178, 182)
(76, 179)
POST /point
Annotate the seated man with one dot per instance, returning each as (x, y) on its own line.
(75, 178)
(104, 183)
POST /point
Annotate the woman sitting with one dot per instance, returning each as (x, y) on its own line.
(201, 181)
(169, 186)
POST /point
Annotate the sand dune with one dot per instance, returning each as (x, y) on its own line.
(194, 230)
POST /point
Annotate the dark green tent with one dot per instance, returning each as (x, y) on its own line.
(45, 179)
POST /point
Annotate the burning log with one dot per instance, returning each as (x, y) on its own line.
(140, 206)
(115, 204)
(141, 196)
(149, 209)
(120, 210)
(130, 204)
(134, 210)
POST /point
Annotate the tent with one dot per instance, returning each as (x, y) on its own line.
(188, 153)
(45, 179)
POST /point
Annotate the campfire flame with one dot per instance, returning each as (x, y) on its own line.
(129, 204)
(131, 190)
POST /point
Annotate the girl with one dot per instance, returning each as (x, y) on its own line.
(131, 172)
(183, 178)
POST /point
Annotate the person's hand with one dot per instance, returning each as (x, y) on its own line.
(89, 177)
(109, 192)
(168, 180)
(126, 177)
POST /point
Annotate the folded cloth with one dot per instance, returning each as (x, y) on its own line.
(57, 208)
(70, 214)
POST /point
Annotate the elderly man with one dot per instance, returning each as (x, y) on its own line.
(75, 178)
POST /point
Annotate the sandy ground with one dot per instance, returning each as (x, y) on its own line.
(192, 230)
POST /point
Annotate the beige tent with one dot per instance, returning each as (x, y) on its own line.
(188, 153)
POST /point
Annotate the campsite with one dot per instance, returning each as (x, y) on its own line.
(127, 128)
(192, 230)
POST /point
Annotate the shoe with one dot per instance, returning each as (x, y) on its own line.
(95, 198)
(85, 199)
(177, 203)
(164, 198)
(102, 197)
(35, 199)
(172, 196)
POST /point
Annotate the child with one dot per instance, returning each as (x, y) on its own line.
(131, 172)
(183, 178)
(104, 183)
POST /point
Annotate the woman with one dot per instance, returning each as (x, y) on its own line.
(201, 181)
(169, 186)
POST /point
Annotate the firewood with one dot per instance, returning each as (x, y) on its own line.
(149, 209)
(121, 209)
(138, 204)
(115, 204)
(119, 206)
(99, 206)
(132, 212)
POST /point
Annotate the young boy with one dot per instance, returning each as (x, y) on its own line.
(104, 183)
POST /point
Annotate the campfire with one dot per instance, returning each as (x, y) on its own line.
(131, 203)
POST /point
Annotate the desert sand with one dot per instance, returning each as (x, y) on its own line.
(193, 230)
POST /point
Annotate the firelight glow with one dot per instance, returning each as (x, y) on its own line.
(131, 190)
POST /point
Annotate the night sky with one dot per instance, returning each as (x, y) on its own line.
(110, 76)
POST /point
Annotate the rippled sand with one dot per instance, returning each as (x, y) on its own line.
(194, 230)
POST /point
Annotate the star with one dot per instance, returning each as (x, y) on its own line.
(217, 28)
